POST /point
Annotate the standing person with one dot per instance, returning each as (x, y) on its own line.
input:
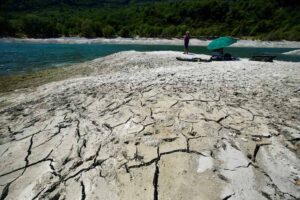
(186, 39)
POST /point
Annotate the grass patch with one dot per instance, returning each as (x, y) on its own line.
(34, 79)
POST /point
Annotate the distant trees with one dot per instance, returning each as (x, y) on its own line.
(268, 19)
(35, 26)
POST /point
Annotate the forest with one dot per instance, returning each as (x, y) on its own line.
(250, 19)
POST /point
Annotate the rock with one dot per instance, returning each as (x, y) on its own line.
(141, 186)
(190, 183)
(122, 133)
(204, 164)
(282, 170)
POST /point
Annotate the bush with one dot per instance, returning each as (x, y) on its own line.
(124, 32)
(293, 34)
(87, 29)
(5, 27)
(98, 29)
(108, 31)
(170, 31)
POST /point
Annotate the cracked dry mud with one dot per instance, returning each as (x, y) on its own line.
(145, 126)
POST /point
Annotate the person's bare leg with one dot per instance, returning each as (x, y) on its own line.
(186, 50)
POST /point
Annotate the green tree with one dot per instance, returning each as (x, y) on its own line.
(124, 32)
(108, 31)
(170, 31)
(87, 29)
(97, 26)
(5, 27)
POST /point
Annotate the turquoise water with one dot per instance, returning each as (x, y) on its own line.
(18, 58)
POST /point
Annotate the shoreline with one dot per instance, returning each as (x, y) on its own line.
(151, 41)
(19, 82)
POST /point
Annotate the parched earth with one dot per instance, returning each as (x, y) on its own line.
(145, 126)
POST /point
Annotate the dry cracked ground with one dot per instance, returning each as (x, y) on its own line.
(145, 126)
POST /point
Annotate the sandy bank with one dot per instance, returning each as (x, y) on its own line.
(295, 52)
(155, 41)
(146, 126)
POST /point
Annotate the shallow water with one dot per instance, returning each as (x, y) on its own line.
(18, 58)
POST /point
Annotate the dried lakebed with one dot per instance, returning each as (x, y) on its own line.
(145, 126)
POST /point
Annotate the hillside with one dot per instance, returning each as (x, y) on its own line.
(268, 20)
(21, 5)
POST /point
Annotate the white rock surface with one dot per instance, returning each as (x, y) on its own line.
(146, 126)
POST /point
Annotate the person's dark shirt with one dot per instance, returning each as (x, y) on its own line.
(186, 40)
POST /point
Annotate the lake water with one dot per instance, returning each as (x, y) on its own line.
(16, 58)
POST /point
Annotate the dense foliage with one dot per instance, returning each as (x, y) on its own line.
(263, 19)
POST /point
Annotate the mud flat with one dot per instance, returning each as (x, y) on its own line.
(145, 126)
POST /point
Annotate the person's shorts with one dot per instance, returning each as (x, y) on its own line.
(186, 45)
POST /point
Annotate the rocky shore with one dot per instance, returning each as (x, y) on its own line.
(151, 41)
(146, 126)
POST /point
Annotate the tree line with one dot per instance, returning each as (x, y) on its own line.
(255, 19)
